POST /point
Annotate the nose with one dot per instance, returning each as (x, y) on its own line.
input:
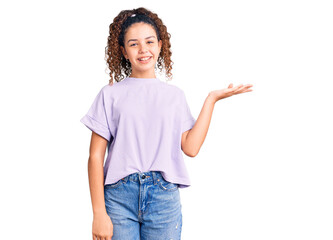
(143, 49)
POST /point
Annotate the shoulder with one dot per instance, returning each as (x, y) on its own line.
(111, 88)
(173, 88)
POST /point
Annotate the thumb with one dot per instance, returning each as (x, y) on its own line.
(230, 85)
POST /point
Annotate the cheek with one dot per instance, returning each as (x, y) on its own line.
(131, 55)
(156, 52)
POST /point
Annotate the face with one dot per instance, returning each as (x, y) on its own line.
(141, 42)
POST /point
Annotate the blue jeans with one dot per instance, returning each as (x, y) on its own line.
(144, 206)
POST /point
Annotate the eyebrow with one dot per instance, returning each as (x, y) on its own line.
(137, 39)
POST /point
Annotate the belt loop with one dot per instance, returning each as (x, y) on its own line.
(154, 177)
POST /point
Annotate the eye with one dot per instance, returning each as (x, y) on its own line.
(132, 44)
(150, 42)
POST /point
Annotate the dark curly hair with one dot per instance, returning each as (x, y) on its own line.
(116, 62)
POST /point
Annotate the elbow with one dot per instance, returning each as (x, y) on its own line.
(194, 154)
(190, 150)
(191, 154)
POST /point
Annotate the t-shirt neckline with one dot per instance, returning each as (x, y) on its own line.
(133, 79)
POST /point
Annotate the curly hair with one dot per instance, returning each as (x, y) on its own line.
(116, 62)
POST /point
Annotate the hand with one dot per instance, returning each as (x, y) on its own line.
(227, 92)
(102, 228)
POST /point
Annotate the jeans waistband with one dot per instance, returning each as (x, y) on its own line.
(142, 177)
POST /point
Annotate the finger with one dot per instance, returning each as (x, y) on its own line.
(244, 90)
(230, 85)
(235, 89)
(248, 87)
(241, 89)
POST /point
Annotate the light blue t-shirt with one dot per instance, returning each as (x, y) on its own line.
(143, 120)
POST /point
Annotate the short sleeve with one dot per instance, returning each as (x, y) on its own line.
(96, 119)
(188, 120)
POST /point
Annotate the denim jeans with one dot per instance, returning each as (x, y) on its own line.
(144, 206)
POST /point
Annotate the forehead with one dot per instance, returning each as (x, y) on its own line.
(140, 31)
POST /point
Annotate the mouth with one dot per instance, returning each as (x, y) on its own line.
(144, 59)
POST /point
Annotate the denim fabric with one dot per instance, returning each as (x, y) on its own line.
(144, 206)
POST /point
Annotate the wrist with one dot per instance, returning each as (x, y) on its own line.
(211, 98)
(99, 211)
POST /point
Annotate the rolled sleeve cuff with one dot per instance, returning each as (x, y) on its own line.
(96, 127)
(188, 124)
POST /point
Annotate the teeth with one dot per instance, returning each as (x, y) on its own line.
(143, 59)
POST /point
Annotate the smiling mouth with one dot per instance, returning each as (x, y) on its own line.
(144, 60)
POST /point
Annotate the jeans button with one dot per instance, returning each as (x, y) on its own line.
(143, 176)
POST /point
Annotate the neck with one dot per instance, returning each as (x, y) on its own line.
(143, 75)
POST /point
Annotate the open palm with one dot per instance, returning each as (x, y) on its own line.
(227, 92)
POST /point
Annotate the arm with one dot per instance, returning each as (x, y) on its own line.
(193, 139)
(97, 150)
(102, 224)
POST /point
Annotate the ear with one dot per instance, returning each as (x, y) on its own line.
(123, 51)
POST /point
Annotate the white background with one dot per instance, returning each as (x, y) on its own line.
(265, 168)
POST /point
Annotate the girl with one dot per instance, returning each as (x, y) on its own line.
(145, 124)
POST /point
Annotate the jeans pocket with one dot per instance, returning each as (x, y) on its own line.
(114, 185)
(168, 186)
